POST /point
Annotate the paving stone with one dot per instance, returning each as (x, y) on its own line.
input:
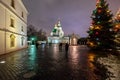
(29, 74)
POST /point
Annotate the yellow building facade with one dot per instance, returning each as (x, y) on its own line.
(13, 26)
(73, 40)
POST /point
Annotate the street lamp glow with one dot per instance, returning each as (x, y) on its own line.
(32, 38)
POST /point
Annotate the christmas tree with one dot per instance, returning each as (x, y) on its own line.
(117, 29)
(101, 34)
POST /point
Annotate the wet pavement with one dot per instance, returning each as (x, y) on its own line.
(48, 63)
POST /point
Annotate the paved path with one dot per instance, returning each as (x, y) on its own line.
(48, 63)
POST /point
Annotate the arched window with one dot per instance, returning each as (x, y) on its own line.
(22, 41)
(13, 3)
(12, 40)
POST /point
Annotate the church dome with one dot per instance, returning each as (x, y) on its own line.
(57, 30)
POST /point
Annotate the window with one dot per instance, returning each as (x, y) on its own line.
(13, 3)
(22, 14)
(22, 41)
(22, 29)
(12, 40)
(12, 22)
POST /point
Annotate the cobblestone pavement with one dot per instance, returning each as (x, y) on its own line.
(48, 63)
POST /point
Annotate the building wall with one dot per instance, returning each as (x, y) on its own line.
(20, 25)
(2, 46)
(73, 41)
(19, 7)
(58, 40)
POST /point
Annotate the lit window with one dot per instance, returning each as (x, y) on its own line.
(12, 22)
(13, 3)
(12, 40)
(22, 41)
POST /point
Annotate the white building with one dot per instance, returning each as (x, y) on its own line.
(13, 26)
(57, 35)
(73, 39)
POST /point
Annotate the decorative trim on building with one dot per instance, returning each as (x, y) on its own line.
(1, 29)
(13, 11)
(6, 30)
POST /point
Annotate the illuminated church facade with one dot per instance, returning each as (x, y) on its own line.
(57, 35)
(13, 26)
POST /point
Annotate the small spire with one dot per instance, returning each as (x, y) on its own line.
(58, 23)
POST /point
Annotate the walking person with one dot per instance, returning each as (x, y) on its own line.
(66, 47)
(37, 44)
(60, 46)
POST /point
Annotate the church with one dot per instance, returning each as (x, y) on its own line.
(13, 26)
(57, 35)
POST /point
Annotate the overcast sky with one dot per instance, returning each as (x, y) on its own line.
(73, 14)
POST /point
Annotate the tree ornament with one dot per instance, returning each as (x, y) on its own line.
(91, 44)
(108, 11)
(98, 22)
(110, 29)
(91, 27)
(97, 27)
(94, 12)
(116, 30)
(118, 17)
(98, 16)
(117, 26)
(110, 21)
(93, 22)
(97, 39)
(99, 10)
(96, 33)
(116, 36)
(91, 32)
(98, 43)
(93, 16)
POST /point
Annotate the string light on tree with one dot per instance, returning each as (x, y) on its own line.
(99, 10)
(97, 39)
(98, 22)
(91, 27)
(98, 43)
(96, 33)
(97, 27)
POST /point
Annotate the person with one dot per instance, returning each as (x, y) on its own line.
(66, 47)
(37, 44)
(60, 46)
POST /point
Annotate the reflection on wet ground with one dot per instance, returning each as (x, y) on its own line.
(48, 63)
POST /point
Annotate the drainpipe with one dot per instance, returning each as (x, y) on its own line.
(5, 31)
